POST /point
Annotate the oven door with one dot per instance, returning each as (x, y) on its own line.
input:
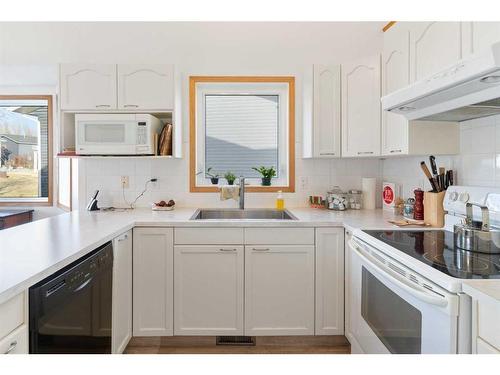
(106, 137)
(392, 312)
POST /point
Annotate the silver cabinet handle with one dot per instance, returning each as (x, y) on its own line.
(394, 151)
(102, 106)
(327, 153)
(222, 249)
(365, 152)
(260, 249)
(131, 106)
(123, 238)
(12, 346)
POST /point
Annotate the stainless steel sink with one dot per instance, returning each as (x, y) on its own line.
(246, 214)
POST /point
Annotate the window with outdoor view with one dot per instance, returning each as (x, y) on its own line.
(238, 125)
(25, 131)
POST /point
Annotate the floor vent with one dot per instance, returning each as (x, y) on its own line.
(236, 340)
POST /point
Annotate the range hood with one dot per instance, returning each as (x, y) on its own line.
(467, 90)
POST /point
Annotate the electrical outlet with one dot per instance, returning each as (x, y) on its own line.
(304, 183)
(124, 182)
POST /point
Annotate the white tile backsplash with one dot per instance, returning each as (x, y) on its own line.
(477, 164)
(319, 176)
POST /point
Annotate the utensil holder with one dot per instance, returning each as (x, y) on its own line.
(433, 208)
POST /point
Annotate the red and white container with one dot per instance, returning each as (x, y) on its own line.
(390, 192)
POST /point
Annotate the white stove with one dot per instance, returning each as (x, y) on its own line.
(406, 285)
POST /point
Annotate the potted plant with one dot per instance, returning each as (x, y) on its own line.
(230, 177)
(266, 173)
(213, 177)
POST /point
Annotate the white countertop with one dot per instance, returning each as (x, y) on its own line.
(33, 251)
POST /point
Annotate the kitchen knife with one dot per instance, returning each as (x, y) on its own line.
(433, 165)
(428, 175)
(442, 183)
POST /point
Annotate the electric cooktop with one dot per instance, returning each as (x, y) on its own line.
(436, 248)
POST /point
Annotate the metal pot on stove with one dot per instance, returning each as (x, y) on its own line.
(477, 236)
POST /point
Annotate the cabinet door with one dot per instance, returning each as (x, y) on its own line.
(153, 282)
(395, 75)
(208, 294)
(329, 281)
(485, 348)
(483, 35)
(433, 47)
(121, 324)
(361, 107)
(88, 86)
(146, 87)
(279, 290)
(347, 287)
(326, 114)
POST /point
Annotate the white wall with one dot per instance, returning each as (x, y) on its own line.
(198, 49)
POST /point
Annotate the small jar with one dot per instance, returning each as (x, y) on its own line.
(337, 199)
(355, 199)
(408, 208)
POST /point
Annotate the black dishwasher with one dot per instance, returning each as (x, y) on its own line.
(70, 311)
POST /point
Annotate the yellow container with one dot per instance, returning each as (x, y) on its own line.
(280, 201)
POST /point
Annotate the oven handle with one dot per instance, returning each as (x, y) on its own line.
(417, 292)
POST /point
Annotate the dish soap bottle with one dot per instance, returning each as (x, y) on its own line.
(280, 201)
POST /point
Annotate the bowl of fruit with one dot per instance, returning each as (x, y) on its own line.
(163, 206)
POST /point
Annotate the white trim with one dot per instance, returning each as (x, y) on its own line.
(245, 88)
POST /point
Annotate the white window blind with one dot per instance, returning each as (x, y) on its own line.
(241, 132)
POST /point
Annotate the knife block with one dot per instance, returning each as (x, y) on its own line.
(433, 208)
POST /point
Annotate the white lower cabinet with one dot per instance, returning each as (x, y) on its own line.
(279, 290)
(121, 321)
(16, 342)
(13, 325)
(153, 282)
(208, 290)
(329, 281)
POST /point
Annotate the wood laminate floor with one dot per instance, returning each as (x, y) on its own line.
(264, 345)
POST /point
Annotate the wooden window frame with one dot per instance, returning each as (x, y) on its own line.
(193, 80)
(50, 118)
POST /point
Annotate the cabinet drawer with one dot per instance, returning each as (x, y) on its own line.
(16, 342)
(208, 236)
(488, 325)
(12, 314)
(279, 236)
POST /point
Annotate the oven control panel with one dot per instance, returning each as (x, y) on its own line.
(457, 197)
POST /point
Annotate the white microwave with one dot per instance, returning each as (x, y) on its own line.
(116, 134)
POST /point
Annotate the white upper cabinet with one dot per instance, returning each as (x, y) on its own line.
(433, 47)
(361, 107)
(400, 137)
(88, 86)
(322, 112)
(145, 87)
(395, 75)
(478, 36)
(101, 87)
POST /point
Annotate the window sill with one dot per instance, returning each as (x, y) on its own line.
(24, 204)
(249, 189)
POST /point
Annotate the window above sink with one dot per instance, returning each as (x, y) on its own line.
(237, 123)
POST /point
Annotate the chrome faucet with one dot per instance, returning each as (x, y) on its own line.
(242, 193)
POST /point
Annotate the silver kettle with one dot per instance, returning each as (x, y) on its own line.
(477, 236)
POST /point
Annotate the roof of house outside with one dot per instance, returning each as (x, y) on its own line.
(19, 139)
